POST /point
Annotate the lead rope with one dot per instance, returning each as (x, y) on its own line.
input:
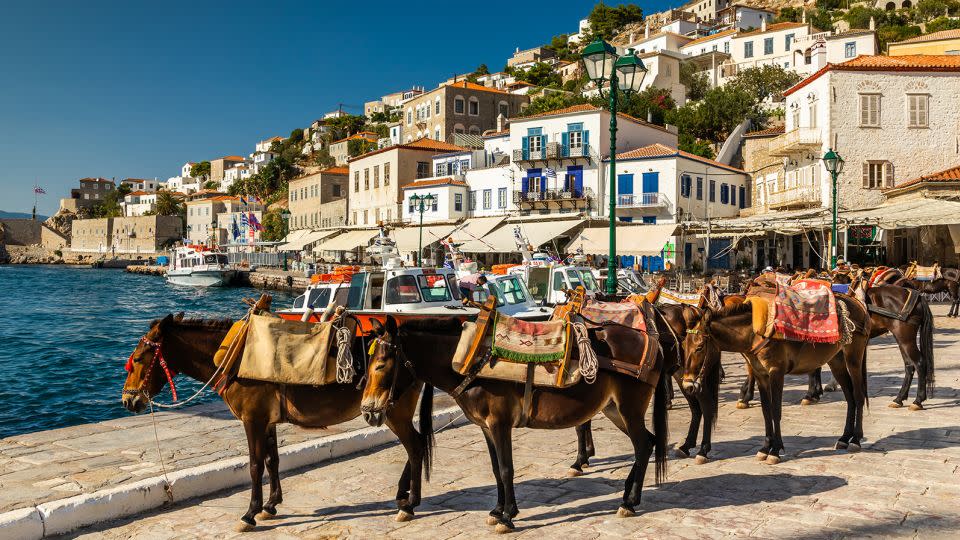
(588, 358)
(345, 371)
(167, 488)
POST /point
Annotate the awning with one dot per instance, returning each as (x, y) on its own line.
(475, 228)
(408, 238)
(302, 240)
(501, 240)
(637, 240)
(347, 241)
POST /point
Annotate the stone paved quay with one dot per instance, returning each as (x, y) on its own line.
(905, 483)
(60, 463)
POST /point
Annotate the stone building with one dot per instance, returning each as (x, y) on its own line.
(219, 166)
(318, 200)
(92, 235)
(91, 193)
(458, 108)
(144, 234)
(763, 166)
(202, 222)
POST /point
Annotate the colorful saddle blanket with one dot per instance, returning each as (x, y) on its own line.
(807, 311)
(522, 341)
(624, 313)
(926, 273)
(673, 297)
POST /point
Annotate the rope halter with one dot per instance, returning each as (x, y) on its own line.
(157, 357)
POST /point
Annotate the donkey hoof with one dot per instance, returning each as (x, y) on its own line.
(841, 445)
(681, 453)
(573, 473)
(403, 515)
(915, 407)
(700, 460)
(807, 401)
(625, 512)
(492, 520)
(743, 405)
(503, 528)
(895, 405)
(246, 526)
(772, 459)
(762, 456)
(267, 513)
(853, 448)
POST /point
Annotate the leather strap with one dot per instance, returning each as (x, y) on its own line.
(475, 370)
(483, 320)
(527, 397)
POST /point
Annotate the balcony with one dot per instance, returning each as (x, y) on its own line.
(552, 198)
(794, 198)
(643, 200)
(795, 142)
(554, 151)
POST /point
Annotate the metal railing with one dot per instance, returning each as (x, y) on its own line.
(643, 200)
(550, 195)
(552, 150)
(263, 258)
(795, 141)
(800, 195)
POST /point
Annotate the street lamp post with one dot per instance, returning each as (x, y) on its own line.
(421, 201)
(834, 164)
(624, 73)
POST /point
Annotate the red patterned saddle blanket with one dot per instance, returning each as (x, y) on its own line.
(807, 311)
(623, 313)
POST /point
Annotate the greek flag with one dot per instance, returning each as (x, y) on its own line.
(550, 173)
(243, 220)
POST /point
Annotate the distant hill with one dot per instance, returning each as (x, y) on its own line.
(19, 215)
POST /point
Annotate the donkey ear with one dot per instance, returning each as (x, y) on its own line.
(392, 325)
(178, 317)
(377, 326)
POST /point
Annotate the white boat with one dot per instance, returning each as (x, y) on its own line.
(628, 280)
(548, 279)
(199, 266)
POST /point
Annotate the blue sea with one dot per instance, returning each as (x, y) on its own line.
(66, 333)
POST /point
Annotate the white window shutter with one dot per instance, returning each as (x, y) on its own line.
(888, 174)
(864, 110)
(866, 175)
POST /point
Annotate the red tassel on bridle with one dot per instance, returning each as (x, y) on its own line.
(157, 357)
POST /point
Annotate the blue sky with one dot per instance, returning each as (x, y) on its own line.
(134, 89)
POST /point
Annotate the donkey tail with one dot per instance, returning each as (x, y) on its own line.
(661, 402)
(426, 428)
(926, 341)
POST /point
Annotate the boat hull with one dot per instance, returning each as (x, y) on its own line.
(202, 278)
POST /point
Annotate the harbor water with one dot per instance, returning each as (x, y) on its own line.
(66, 332)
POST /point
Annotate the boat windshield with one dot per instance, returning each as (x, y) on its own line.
(355, 292)
(574, 277)
(402, 290)
(215, 259)
(510, 291)
(434, 288)
(588, 281)
(319, 298)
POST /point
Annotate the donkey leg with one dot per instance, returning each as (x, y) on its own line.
(583, 434)
(501, 435)
(710, 405)
(814, 388)
(765, 406)
(257, 447)
(746, 390)
(272, 463)
(840, 374)
(913, 361)
(497, 511)
(696, 415)
(908, 371)
(408, 488)
(775, 404)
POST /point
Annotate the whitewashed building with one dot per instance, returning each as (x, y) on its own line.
(138, 203)
(240, 171)
(449, 201)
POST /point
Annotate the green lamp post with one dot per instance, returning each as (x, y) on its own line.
(421, 201)
(624, 73)
(834, 164)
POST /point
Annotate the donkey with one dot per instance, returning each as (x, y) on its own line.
(176, 345)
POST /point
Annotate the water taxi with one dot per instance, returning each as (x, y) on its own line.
(629, 281)
(199, 266)
(547, 278)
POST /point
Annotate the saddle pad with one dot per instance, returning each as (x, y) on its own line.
(522, 341)
(807, 311)
(673, 297)
(288, 352)
(622, 313)
(926, 273)
(841, 288)
(552, 374)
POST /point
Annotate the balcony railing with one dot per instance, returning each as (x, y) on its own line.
(643, 200)
(795, 142)
(551, 195)
(552, 150)
(796, 197)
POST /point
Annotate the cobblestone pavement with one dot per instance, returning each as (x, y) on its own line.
(905, 483)
(59, 463)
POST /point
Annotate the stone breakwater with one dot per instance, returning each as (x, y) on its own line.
(269, 279)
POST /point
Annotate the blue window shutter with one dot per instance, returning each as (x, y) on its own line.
(625, 219)
(524, 184)
(577, 173)
(650, 219)
(651, 182)
(586, 142)
(566, 143)
(625, 184)
(526, 148)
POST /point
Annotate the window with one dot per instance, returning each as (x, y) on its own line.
(458, 202)
(576, 142)
(376, 176)
(436, 133)
(917, 111)
(434, 288)
(474, 107)
(726, 47)
(748, 49)
(733, 195)
(869, 110)
(743, 197)
(724, 194)
(440, 169)
(365, 216)
(473, 200)
(813, 114)
(877, 174)
(423, 169)
(436, 106)
(402, 290)
(795, 114)
(487, 199)
(458, 105)
(502, 197)
(699, 188)
(787, 42)
(504, 109)
(768, 45)
(412, 207)
(409, 117)
(386, 174)
(685, 184)
(366, 179)
(713, 191)
(464, 166)
(850, 49)
(535, 143)
(356, 181)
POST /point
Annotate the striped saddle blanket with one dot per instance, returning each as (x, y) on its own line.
(624, 313)
(807, 311)
(668, 296)
(522, 341)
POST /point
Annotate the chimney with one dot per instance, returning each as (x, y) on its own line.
(501, 122)
(646, 30)
(873, 24)
(803, 17)
(763, 25)
(631, 38)
(649, 116)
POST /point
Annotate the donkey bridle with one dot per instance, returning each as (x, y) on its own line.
(401, 357)
(157, 357)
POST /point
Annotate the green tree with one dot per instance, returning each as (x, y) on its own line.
(274, 227)
(830, 5)
(653, 104)
(552, 101)
(200, 170)
(356, 147)
(559, 45)
(482, 69)
(123, 190)
(789, 14)
(765, 81)
(606, 21)
(695, 81)
(169, 205)
(689, 143)
(540, 74)
(344, 126)
(820, 19)
(720, 112)
(931, 9)
(211, 184)
(942, 23)
(110, 205)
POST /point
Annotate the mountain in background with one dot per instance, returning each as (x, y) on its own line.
(20, 215)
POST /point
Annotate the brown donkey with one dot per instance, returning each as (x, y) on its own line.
(731, 329)
(422, 350)
(183, 346)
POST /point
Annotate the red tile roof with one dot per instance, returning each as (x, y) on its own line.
(660, 151)
(949, 175)
(936, 36)
(138, 193)
(359, 135)
(769, 132)
(493, 134)
(711, 37)
(423, 143)
(474, 86)
(776, 27)
(908, 62)
(99, 180)
(585, 107)
(446, 181)
(343, 171)
(231, 158)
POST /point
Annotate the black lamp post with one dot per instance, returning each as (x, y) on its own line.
(834, 164)
(421, 201)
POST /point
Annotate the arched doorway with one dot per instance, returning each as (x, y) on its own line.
(891, 6)
(906, 4)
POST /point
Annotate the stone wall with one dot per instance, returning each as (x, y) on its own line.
(91, 234)
(21, 232)
(756, 157)
(145, 234)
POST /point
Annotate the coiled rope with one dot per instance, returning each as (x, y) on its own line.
(589, 364)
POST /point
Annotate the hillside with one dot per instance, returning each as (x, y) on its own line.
(19, 215)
